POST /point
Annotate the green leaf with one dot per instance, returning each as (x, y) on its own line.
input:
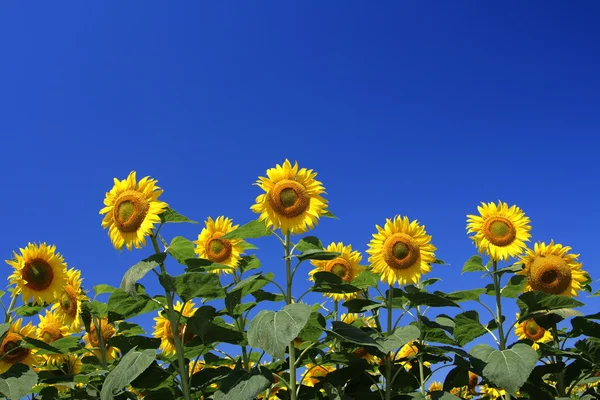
(248, 263)
(17, 381)
(64, 345)
(361, 305)
(353, 334)
(422, 298)
(29, 310)
(532, 301)
(584, 325)
(464, 295)
(127, 343)
(474, 264)
(467, 327)
(313, 329)
(261, 295)
(328, 214)
(207, 331)
(430, 281)
(273, 331)
(172, 216)
(365, 280)
(102, 288)
(399, 338)
(181, 249)
(246, 246)
(138, 271)
(122, 306)
(129, 368)
(96, 308)
(252, 230)
(309, 243)
(516, 267)
(253, 283)
(509, 368)
(129, 329)
(328, 282)
(514, 287)
(4, 328)
(315, 254)
(242, 385)
(197, 284)
(443, 396)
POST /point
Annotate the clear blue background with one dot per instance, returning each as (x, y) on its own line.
(422, 109)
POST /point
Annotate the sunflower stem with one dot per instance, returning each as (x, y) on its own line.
(422, 343)
(288, 300)
(241, 325)
(501, 337)
(388, 367)
(561, 375)
(174, 320)
(13, 301)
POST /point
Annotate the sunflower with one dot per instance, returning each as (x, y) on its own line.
(314, 373)
(529, 329)
(10, 350)
(435, 387)
(39, 272)
(68, 304)
(365, 322)
(462, 392)
(275, 389)
(345, 266)
(292, 200)
(552, 269)
(51, 329)
(492, 393)
(107, 331)
(363, 352)
(67, 365)
(500, 231)
(409, 352)
(131, 210)
(163, 329)
(212, 247)
(401, 251)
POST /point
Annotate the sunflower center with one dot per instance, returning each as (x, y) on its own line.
(499, 231)
(38, 274)
(68, 301)
(533, 331)
(50, 333)
(130, 210)
(289, 198)
(11, 351)
(341, 268)
(217, 249)
(400, 251)
(550, 274)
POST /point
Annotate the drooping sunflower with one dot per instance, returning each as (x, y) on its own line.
(49, 330)
(529, 329)
(68, 302)
(292, 200)
(131, 210)
(10, 350)
(550, 268)
(39, 272)
(401, 251)
(314, 373)
(346, 266)
(107, 331)
(212, 247)
(409, 352)
(163, 329)
(500, 231)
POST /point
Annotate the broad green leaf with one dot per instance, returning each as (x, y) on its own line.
(327, 282)
(96, 308)
(514, 287)
(252, 230)
(516, 267)
(29, 310)
(138, 271)
(532, 301)
(313, 329)
(464, 295)
(209, 329)
(102, 288)
(361, 305)
(181, 249)
(430, 281)
(127, 343)
(128, 329)
(198, 284)
(153, 377)
(584, 325)
(353, 334)
(242, 385)
(316, 254)
(64, 345)
(399, 338)
(467, 327)
(365, 280)
(445, 322)
(273, 331)
(261, 295)
(508, 368)
(248, 263)
(474, 264)
(253, 283)
(309, 243)
(172, 216)
(436, 299)
(129, 368)
(17, 381)
(122, 306)
(4, 328)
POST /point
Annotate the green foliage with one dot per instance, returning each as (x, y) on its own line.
(130, 367)
(17, 381)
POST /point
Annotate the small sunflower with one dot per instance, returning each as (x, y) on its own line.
(39, 272)
(345, 266)
(492, 393)
(10, 350)
(163, 329)
(529, 329)
(292, 200)
(68, 302)
(107, 331)
(500, 231)
(401, 251)
(552, 269)
(314, 373)
(51, 329)
(409, 352)
(131, 210)
(365, 322)
(212, 247)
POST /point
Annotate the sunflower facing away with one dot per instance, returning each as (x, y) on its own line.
(529, 329)
(68, 304)
(39, 272)
(51, 329)
(345, 266)
(409, 352)
(163, 329)
(292, 200)
(10, 351)
(500, 231)
(212, 247)
(401, 251)
(107, 330)
(131, 210)
(314, 373)
(552, 269)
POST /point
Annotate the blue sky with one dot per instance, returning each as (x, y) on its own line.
(422, 109)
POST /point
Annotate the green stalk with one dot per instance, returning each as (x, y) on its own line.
(388, 366)
(174, 319)
(561, 375)
(13, 301)
(241, 325)
(501, 337)
(420, 357)
(288, 300)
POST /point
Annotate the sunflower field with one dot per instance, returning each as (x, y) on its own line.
(384, 328)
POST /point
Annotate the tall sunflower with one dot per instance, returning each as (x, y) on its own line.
(408, 352)
(39, 272)
(51, 329)
(68, 302)
(314, 373)
(212, 247)
(107, 331)
(292, 200)
(500, 231)
(131, 210)
(163, 330)
(550, 268)
(10, 350)
(345, 266)
(401, 251)
(529, 329)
